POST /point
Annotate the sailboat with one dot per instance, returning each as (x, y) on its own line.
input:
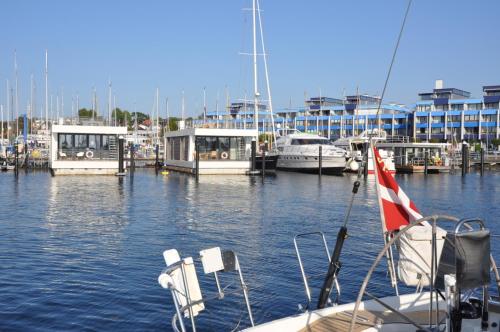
(446, 262)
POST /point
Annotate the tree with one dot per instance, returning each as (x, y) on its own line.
(85, 113)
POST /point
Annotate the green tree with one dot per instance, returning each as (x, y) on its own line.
(86, 113)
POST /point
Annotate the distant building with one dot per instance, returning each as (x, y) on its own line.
(448, 114)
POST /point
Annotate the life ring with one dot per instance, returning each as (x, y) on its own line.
(224, 155)
(89, 154)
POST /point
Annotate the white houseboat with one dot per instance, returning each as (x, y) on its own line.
(221, 151)
(85, 149)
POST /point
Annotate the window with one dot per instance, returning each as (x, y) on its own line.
(224, 148)
(83, 146)
(471, 118)
(474, 106)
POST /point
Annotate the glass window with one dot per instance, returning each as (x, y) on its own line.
(65, 141)
(80, 141)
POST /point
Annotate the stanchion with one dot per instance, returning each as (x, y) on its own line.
(426, 162)
(482, 162)
(197, 159)
(320, 160)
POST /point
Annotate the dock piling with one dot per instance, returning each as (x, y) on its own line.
(254, 150)
(197, 159)
(132, 158)
(482, 162)
(16, 159)
(157, 158)
(464, 158)
(365, 160)
(426, 161)
(320, 160)
(120, 155)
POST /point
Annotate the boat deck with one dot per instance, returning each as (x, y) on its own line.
(340, 321)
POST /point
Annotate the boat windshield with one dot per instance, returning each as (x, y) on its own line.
(309, 141)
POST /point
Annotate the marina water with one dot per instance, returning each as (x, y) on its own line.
(84, 253)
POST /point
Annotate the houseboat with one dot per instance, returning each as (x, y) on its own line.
(85, 149)
(221, 151)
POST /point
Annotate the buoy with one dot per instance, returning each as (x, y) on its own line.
(164, 173)
(353, 165)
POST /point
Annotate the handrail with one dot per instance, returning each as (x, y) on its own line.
(396, 237)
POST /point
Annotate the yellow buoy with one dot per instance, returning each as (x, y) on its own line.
(164, 173)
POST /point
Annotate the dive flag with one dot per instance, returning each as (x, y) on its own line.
(396, 209)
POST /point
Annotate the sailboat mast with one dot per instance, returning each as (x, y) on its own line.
(182, 109)
(266, 71)
(32, 103)
(1, 113)
(46, 90)
(157, 115)
(109, 102)
(167, 115)
(204, 105)
(16, 105)
(255, 87)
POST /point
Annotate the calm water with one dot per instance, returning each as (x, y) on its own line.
(84, 253)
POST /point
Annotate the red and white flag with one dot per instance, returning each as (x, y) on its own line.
(396, 209)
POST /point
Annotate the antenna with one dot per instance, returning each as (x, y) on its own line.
(46, 90)
(16, 95)
(182, 110)
(109, 102)
(204, 105)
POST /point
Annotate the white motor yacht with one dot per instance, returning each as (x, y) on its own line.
(300, 152)
(356, 145)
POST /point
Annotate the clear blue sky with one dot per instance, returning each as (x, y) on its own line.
(186, 45)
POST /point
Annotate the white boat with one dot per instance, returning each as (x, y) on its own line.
(446, 274)
(356, 145)
(300, 152)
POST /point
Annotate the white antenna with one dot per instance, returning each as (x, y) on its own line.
(32, 103)
(217, 110)
(1, 112)
(182, 109)
(51, 110)
(109, 102)
(167, 115)
(16, 95)
(204, 105)
(255, 87)
(8, 107)
(78, 106)
(157, 115)
(57, 107)
(46, 90)
(62, 102)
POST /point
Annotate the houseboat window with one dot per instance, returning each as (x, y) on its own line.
(86, 146)
(224, 148)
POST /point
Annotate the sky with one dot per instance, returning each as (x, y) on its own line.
(315, 47)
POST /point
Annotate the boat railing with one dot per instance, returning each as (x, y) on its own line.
(180, 278)
(305, 276)
(464, 228)
(397, 139)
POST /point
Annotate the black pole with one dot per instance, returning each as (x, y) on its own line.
(263, 162)
(26, 156)
(464, 156)
(365, 160)
(120, 155)
(16, 159)
(467, 159)
(254, 148)
(320, 160)
(482, 162)
(157, 158)
(132, 158)
(334, 266)
(426, 162)
(197, 159)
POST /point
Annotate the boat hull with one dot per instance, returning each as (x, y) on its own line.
(310, 164)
